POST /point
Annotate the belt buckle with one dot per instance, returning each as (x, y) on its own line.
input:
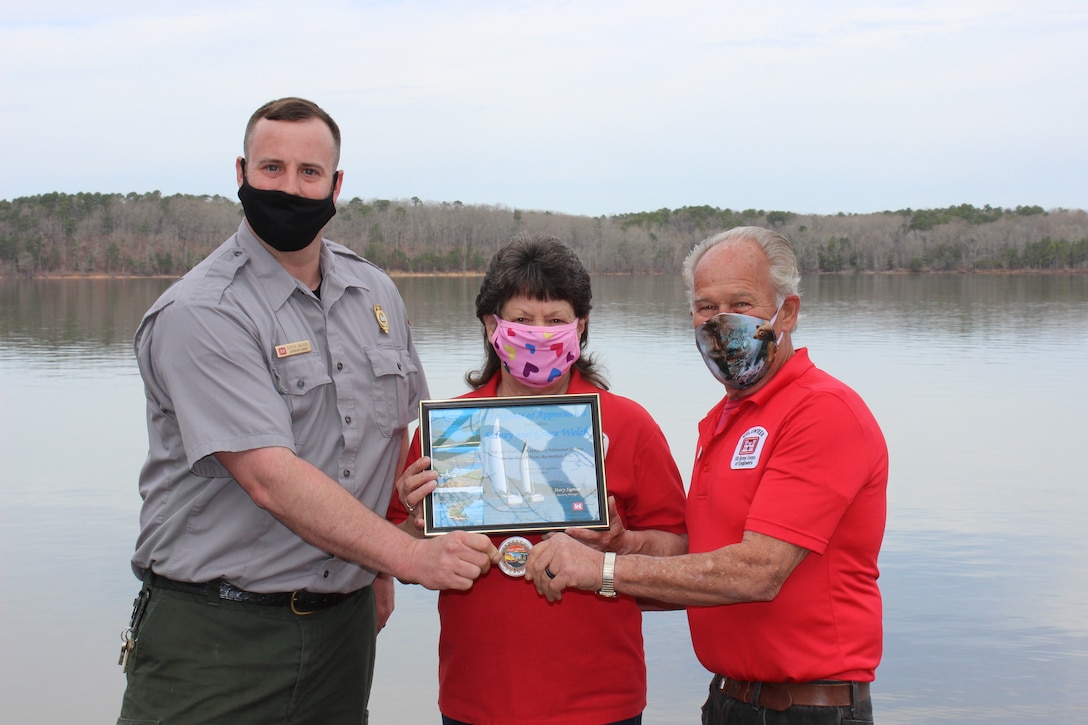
(295, 610)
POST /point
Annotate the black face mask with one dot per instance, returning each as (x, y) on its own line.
(285, 222)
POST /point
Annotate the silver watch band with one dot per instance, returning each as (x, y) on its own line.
(608, 576)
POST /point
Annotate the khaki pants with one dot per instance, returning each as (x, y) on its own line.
(197, 661)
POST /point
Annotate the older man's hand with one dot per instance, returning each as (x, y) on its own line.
(559, 562)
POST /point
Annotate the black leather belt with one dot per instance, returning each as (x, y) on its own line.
(300, 601)
(782, 695)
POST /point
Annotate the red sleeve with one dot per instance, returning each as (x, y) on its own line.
(397, 513)
(661, 501)
(640, 470)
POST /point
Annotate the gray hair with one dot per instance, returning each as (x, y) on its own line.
(782, 262)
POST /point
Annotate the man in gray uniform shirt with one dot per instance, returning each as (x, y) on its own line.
(280, 377)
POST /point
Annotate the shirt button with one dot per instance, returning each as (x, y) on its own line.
(398, 366)
(301, 384)
(326, 574)
(347, 473)
(347, 419)
(339, 366)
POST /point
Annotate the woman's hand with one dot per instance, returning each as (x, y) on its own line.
(412, 487)
(614, 539)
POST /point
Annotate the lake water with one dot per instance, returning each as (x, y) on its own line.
(978, 381)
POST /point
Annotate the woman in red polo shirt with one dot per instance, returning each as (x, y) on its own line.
(506, 655)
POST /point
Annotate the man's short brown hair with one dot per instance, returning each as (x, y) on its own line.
(292, 109)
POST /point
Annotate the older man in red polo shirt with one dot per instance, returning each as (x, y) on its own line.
(785, 512)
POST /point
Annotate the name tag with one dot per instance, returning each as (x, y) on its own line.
(293, 348)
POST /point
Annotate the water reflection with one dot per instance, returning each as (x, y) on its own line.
(977, 380)
(54, 314)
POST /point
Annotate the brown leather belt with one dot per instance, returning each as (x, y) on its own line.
(782, 695)
(300, 601)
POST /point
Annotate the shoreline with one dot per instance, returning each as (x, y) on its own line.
(399, 274)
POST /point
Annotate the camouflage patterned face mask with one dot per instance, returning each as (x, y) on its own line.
(738, 349)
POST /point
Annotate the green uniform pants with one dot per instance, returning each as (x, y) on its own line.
(202, 661)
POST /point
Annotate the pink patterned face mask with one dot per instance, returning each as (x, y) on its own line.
(535, 355)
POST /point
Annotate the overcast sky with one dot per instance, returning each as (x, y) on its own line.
(577, 107)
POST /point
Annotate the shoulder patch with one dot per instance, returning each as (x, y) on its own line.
(749, 448)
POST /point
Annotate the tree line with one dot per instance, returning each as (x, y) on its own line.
(152, 234)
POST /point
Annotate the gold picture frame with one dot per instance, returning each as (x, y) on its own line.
(510, 465)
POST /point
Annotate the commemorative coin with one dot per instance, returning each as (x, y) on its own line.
(513, 555)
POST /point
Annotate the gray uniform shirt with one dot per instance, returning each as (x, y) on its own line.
(239, 355)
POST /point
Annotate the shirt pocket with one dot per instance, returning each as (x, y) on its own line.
(391, 367)
(302, 381)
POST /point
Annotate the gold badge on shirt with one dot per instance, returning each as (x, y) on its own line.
(293, 348)
(383, 321)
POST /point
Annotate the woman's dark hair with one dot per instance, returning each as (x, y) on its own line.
(540, 268)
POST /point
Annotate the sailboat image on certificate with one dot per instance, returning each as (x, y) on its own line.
(532, 495)
(514, 464)
(493, 463)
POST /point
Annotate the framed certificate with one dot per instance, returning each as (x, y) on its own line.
(533, 463)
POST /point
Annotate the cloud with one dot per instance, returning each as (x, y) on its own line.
(577, 107)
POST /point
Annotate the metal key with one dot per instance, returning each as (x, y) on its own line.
(128, 643)
(130, 633)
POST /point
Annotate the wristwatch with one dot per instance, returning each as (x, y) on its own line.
(608, 576)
